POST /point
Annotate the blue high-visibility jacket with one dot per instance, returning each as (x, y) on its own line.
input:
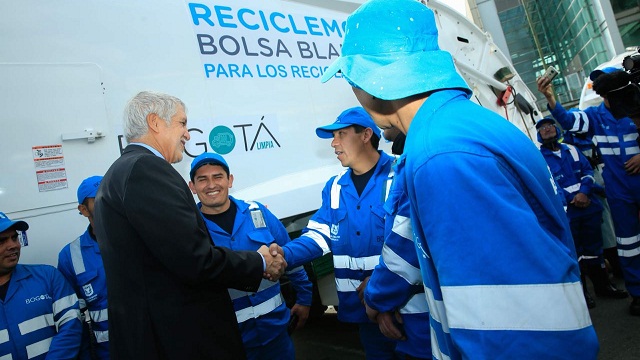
(262, 315)
(617, 140)
(351, 226)
(39, 317)
(396, 282)
(573, 174)
(495, 247)
(81, 264)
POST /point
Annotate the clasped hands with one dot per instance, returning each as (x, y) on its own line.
(274, 259)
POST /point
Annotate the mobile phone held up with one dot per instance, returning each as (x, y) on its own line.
(550, 73)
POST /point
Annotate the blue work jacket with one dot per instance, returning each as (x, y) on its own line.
(262, 315)
(81, 264)
(39, 317)
(351, 226)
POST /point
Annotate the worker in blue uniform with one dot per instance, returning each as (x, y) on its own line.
(497, 259)
(617, 140)
(350, 221)
(574, 176)
(263, 316)
(394, 296)
(81, 264)
(39, 314)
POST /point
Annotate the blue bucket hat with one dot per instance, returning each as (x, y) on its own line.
(349, 117)
(88, 188)
(207, 158)
(390, 50)
(608, 70)
(6, 223)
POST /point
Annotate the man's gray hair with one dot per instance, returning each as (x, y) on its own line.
(143, 104)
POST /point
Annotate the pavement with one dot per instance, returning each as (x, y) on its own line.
(325, 338)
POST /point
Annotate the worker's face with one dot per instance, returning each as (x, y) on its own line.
(9, 251)
(172, 137)
(211, 183)
(86, 209)
(349, 145)
(547, 131)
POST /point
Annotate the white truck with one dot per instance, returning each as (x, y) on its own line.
(248, 72)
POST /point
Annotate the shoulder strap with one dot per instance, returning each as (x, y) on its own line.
(335, 190)
(76, 256)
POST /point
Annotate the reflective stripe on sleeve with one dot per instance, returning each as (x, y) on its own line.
(416, 305)
(297, 269)
(64, 303)
(628, 240)
(436, 310)
(581, 122)
(353, 263)
(4, 336)
(401, 267)
(70, 315)
(36, 323)
(493, 307)
(630, 137)
(629, 253)
(99, 315)
(264, 284)
(38, 348)
(347, 285)
(101, 336)
(402, 227)
(76, 256)
(263, 308)
(572, 188)
(6, 357)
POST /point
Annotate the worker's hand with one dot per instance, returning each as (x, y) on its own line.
(361, 287)
(302, 312)
(545, 87)
(275, 264)
(632, 166)
(372, 314)
(388, 326)
(275, 249)
(581, 200)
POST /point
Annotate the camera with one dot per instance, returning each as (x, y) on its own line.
(624, 99)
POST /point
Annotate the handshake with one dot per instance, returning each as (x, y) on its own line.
(274, 259)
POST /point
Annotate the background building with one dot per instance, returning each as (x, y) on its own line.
(574, 36)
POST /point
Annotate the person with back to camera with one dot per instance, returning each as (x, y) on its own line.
(494, 244)
(617, 140)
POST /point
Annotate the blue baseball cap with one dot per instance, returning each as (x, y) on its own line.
(390, 50)
(608, 70)
(544, 121)
(88, 188)
(6, 223)
(207, 158)
(349, 117)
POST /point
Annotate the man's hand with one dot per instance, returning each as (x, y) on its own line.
(361, 287)
(372, 314)
(545, 88)
(632, 166)
(275, 263)
(387, 326)
(581, 200)
(302, 312)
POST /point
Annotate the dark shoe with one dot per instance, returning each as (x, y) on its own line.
(591, 303)
(634, 308)
(612, 292)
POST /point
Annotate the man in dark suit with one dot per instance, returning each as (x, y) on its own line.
(167, 284)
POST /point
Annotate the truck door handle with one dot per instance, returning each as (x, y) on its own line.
(90, 134)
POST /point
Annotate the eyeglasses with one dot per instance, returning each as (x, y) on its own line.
(546, 127)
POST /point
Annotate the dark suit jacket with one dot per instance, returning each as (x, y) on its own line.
(166, 282)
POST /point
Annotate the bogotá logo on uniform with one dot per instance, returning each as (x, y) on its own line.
(222, 140)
